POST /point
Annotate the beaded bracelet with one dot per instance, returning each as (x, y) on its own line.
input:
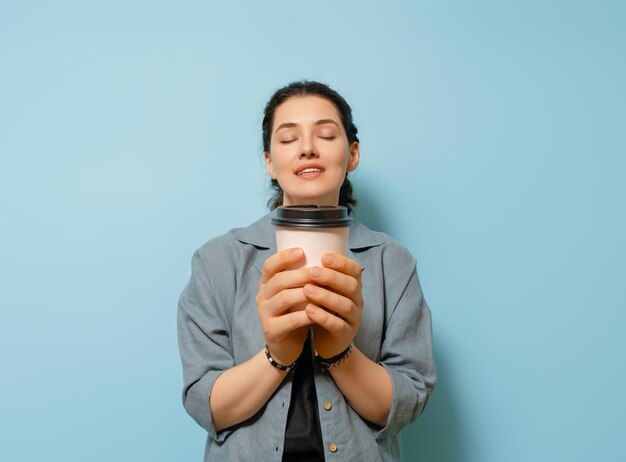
(335, 361)
(277, 365)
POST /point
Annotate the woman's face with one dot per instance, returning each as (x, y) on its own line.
(309, 151)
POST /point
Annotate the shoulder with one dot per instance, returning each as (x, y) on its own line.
(236, 245)
(392, 252)
(223, 248)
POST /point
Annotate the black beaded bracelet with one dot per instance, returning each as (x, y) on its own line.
(335, 361)
(277, 365)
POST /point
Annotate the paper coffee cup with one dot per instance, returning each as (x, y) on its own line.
(316, 229)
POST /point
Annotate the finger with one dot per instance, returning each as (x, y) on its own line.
(280, 261)
(284, 280)
(342, 264)
(279, 327)
(334, 324)
(343, 283)
(342, 306)
(283, 301)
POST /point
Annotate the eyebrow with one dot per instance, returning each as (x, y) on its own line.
(319, 122)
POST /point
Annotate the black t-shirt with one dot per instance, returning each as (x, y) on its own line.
(303, 435)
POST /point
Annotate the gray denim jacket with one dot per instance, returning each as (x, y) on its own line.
(218, 328)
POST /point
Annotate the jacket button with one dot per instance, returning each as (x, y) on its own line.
(332, 447)
(327, 406)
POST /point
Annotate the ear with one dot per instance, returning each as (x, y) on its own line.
(268, 165)
(355, 157)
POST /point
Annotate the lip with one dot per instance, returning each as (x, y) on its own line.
(305, 166)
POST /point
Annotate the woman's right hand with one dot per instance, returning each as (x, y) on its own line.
(281, 303)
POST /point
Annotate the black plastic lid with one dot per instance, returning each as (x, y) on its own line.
(312, 216)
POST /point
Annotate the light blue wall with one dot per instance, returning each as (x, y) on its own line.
(492, 146)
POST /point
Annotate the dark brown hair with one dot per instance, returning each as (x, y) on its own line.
(308, 88)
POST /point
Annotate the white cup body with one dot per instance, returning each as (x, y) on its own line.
(315, 242)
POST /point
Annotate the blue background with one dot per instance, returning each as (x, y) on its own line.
(492, 146)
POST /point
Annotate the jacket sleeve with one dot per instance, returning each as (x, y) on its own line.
(406, 350)
(204, 343)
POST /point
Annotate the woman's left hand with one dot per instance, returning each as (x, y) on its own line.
(336, 303)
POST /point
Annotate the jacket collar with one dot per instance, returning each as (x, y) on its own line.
(261, 234)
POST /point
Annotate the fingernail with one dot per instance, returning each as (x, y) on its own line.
(310, 288)
(315, 272)
(296, 253)
(328, 259)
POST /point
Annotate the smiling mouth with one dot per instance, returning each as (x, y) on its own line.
(309, 171)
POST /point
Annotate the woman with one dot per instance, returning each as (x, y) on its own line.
(365, 322)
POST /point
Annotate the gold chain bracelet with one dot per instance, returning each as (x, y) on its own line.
(335, 361)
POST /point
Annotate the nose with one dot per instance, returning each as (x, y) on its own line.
(308, 150)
